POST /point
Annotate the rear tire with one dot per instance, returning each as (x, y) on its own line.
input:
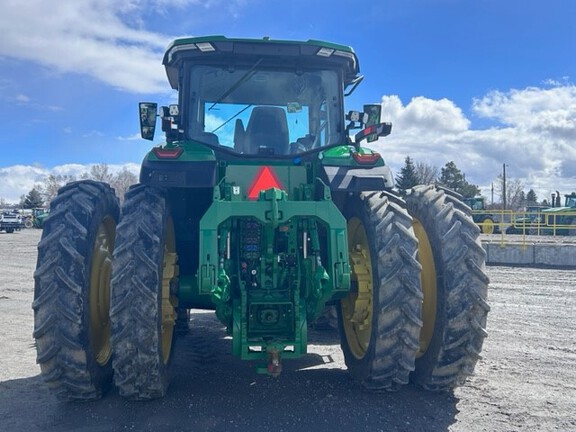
(142, 307)
(380, 319)
(455, 288)
(72, 291)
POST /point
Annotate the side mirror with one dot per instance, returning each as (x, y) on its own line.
(148, 113)
(373, 112)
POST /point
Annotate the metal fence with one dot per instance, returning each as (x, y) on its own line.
(527, 223)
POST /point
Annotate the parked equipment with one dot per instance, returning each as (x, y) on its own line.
(560, 220)
(487, 222)
(10, 221)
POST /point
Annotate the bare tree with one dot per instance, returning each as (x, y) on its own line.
(122, 182)
(52, 183)
(515, 196)
(427, 174)
(100, 172)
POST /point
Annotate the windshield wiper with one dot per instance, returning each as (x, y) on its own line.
(249, 73)
(232, 118)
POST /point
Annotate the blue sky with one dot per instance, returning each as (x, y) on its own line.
(479, 82)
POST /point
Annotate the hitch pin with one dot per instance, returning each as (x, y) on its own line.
(274, 364)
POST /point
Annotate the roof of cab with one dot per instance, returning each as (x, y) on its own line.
(197, 47)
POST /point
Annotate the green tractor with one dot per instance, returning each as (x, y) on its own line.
(263, 206)
(486, 221)
(560, 220)
(39, 215)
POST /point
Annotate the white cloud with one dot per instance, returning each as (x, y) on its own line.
(534, 135)
(18, 180)
(22, 98)
(423, 114)
(552, 110)
(135, 137)
(93, 133)
(98, 38)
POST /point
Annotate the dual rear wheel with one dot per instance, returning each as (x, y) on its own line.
(418, 308)
(72, 291)
(96, 289)
(143, 305)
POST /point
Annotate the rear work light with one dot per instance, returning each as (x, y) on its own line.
(366, 159)
(205, 47)
(167, 153)
(325, 52)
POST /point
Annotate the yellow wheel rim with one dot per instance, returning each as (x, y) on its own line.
(357, 307)
(99, 295)
(169, 302)
(487, 226)
(429, 287)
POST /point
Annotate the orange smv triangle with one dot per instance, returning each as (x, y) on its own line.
(264, 179)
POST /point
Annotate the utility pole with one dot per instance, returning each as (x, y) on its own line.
(504, 185)
(492, 193)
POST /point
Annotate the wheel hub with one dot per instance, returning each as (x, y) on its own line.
(100, 274)
(357, 307)
(429, 288)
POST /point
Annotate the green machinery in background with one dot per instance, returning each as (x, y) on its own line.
(488, 222)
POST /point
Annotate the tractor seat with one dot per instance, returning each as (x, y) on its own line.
(267, 131)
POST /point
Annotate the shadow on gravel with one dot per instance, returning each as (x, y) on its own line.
(213, 391)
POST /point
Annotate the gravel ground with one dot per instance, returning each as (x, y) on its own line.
(525, 381)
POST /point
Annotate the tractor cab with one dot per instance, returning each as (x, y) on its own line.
(260, 98)
(570, 200)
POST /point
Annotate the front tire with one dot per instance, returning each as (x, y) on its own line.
(455, 287)
(380, 319)
(72, 291)
(142, 306)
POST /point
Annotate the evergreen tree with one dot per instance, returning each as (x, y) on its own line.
(452, 178)
(407, 177)
(33, 199)
(469, 190)
(531, 197)
(522, 199)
